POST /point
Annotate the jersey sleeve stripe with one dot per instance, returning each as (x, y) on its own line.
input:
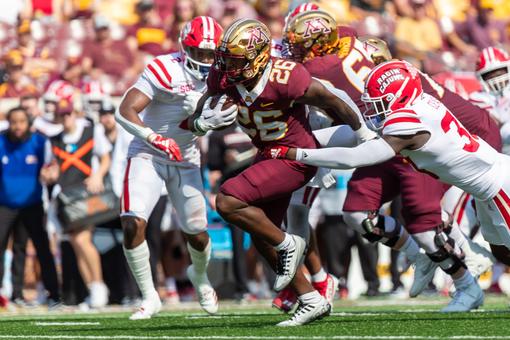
(503, 203)
(165, 72)
(158, 77)
(401, 120)
(405, 111)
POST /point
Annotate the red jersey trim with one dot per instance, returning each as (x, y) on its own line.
(402, 120)
(156, 74)
(165, 72)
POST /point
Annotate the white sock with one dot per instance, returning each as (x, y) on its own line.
(320, 276)
(170, 284)
(464, 281)
(311, 297)
(138, 260)
(411, 249)
(287, 241)
(200, 259)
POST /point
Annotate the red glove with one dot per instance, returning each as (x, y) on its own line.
(278, 151)
(165, 145)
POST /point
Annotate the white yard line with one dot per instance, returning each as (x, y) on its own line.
(66, 323)
(228, 337)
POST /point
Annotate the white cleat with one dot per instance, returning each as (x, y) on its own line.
(98, 295)
(478, 259)
(466, 299)
(147, 309)
(289, 260)
(306, 313)
(424, 270)
(205, 292)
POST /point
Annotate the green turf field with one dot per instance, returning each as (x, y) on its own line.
(365, 319)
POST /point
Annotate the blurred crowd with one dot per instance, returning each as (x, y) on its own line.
(65, 63)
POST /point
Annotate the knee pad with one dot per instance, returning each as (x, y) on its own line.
(450, 260)
(381, 231)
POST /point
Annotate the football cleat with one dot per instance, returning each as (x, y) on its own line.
(289, 260)
(206, 294)
(285, 300)
(327, 288)
(466, 299)
(306, 313)
(98, 295)
(148, 308)
(424, 270)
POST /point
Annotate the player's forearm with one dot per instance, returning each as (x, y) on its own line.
(369, 153)
(133, 125)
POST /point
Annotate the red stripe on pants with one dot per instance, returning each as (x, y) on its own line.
(499, 199)
(125, 194)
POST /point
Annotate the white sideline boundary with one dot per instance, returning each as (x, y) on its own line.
(228, 337)
(66, 323)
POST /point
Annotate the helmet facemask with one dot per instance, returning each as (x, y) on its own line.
(198, 61)
(496, 80)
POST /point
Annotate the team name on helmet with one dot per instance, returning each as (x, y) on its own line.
(389, 77)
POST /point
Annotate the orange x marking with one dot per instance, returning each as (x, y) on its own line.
(74, 158)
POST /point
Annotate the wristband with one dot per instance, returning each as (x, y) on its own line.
(299, 154)
(199, 131)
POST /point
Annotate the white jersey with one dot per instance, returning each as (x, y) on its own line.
(451, 153)
(499, 109)
(166, 82)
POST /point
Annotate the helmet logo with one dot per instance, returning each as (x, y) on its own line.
(257, 36)
(314, 26)
(389, 77)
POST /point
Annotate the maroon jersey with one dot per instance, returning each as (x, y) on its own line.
(476, 120)
(346, 70)
(268, 113)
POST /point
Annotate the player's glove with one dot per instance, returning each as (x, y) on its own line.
(274, 152)
(216, 117)
(190, 102)
(166, 146)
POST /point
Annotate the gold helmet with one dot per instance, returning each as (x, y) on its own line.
(310, 34)
(243, 51)
(377, 49)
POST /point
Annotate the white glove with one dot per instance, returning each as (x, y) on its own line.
(215, 118)
(502, 110)
(364, 134)
(190, 102)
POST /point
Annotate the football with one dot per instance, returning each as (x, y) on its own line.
(228, 102)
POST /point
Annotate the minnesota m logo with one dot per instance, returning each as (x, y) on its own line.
(315, 25)
(257, 36)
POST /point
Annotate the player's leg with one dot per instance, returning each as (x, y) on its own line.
(185, 190)
(494, 216)
(421, 210)
(141, 191)
(297, 223)
(266, 180)
(368, 189)
(312, 305)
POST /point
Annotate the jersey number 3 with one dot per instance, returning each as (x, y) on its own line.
(446, 124)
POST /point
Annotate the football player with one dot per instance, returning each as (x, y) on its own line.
(165, 154)
(419, 127)
(270, 94)
(301, 201)
(338, 57)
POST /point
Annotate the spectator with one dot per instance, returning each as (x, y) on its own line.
(105, 56)
(16, 83)
(419, 31)
(184, 11)
(30, 103)
(148, 34)
(271, 13)
(480, 29)
(23, 156)
(226, 11)
(84, 140)
(38, 63)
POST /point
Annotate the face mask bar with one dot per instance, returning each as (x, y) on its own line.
(376, 110)
(196, 68)
(499, 84)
